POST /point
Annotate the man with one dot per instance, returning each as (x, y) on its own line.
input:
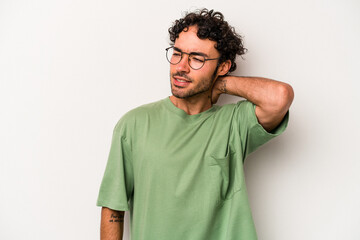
(177, 164)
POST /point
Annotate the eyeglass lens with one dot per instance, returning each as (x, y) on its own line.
(174, 57)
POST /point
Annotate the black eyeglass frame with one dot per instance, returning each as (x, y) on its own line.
(205, 59)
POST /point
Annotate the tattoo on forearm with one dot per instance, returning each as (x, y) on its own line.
(119, 217)
(223, 86)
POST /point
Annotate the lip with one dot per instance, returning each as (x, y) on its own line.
(181, 78)
(181, 84)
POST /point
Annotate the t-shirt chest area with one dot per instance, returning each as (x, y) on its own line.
(179, 143)
(182, 158)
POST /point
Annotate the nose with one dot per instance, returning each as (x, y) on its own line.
(183, 65)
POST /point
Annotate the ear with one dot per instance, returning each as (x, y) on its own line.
(224, 68)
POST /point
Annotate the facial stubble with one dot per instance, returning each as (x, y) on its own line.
(203, 87)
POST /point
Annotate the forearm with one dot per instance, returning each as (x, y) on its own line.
(263, 92)
(112, 224)
(272, 98)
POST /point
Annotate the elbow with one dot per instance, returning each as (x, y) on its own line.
(287, 94)
(285, 97)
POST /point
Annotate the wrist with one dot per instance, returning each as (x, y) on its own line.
(220, 85)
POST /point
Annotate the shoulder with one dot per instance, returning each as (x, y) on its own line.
(243, 107)
(138, 115)
(240, 113)
(144, 110)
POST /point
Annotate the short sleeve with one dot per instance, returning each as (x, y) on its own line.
(117, 184)
(252, 134)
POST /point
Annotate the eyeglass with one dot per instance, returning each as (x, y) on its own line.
(196, 60)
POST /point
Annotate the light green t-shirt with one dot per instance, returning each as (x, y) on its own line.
(181, 176)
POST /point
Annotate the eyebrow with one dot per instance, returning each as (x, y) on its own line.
(193, 53)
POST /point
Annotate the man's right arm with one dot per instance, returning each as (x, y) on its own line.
(112, 224)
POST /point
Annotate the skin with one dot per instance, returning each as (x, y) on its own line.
(272, 98)
(201, 90)
(195, 96)
(112, 224)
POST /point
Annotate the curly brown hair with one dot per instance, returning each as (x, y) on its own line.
(211, 25)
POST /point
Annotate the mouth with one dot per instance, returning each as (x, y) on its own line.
(181, 81)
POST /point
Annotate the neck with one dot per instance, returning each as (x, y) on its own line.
(193, 105)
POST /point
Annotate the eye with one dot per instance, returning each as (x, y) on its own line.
(197, 59)
(177, 54)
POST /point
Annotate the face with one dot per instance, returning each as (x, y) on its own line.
(185, 81)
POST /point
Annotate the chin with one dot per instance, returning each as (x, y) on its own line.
(181, 95)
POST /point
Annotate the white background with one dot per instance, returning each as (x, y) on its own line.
(70, 69)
